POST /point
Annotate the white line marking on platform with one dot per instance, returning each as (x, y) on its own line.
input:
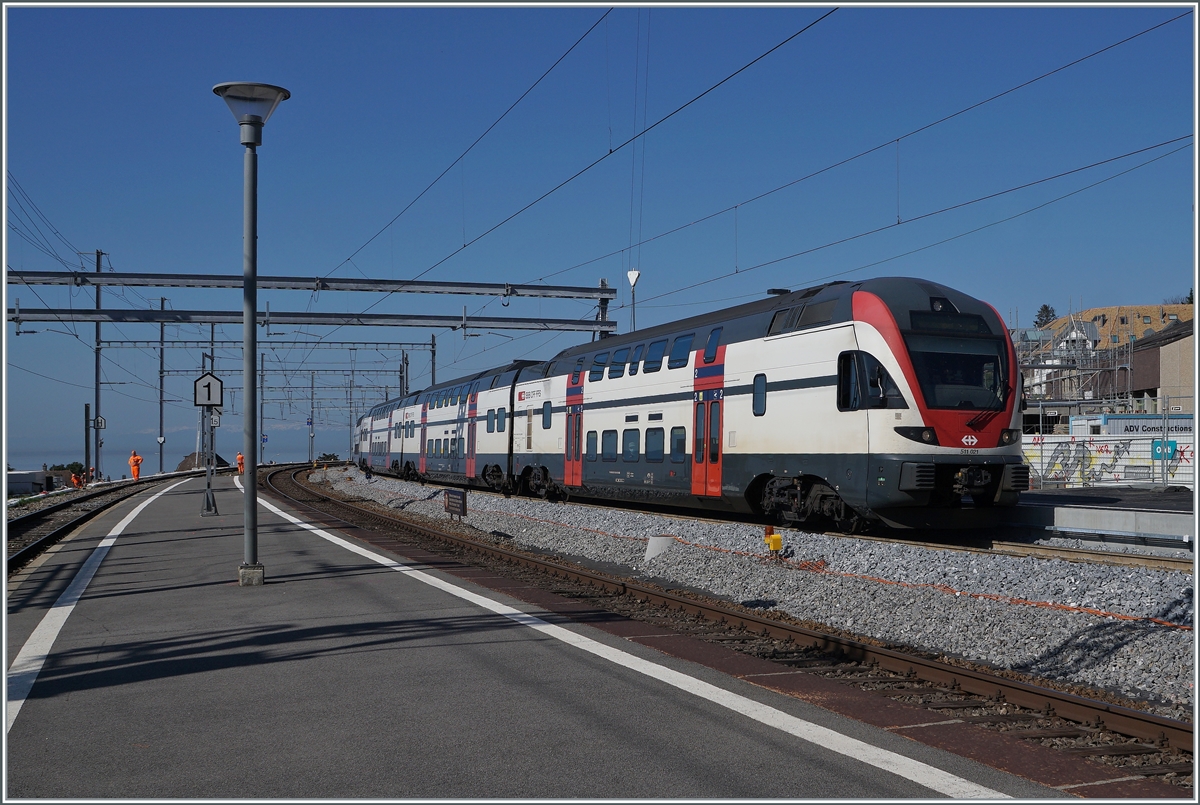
(28, 664)
(920, 773)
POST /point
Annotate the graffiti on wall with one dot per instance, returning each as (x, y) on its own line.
(1084, 461)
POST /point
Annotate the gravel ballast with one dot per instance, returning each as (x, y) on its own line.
(1026, 614)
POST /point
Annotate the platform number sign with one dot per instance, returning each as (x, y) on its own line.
(209, 390)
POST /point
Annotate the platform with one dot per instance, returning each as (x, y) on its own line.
(1131, 512)
(355, 673)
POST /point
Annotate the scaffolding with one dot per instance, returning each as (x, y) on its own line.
(1066, 369)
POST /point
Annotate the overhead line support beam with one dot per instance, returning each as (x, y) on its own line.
(160, 280)
(310, 319)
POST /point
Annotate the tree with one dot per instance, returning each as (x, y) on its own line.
(1180, 299)
(1045, 315)
(75, 467)
(328, 457)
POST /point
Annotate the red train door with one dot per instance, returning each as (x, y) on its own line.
(421, 442)
(387, 458)
(707, 423)
(572, 444)
(472, 412)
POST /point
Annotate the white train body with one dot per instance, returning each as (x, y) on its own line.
(890, 399)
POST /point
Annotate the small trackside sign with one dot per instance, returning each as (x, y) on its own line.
(456, 502)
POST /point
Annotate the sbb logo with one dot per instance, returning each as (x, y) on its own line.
(969, 440)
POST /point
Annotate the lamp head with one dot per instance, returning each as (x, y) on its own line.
(251, 104)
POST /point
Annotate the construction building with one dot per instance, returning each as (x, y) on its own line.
(1109, 360)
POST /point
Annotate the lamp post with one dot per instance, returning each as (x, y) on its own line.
(633, 275)
(252, 105)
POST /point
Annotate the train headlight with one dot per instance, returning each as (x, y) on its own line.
(1009, 436)
(923, 435)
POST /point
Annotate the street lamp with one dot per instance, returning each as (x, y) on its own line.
(252, 105)
(633, 275)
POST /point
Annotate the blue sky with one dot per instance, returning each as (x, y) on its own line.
(113, 131)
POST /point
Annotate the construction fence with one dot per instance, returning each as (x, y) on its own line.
(1105, 460)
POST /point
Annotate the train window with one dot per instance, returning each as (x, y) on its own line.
(779, 321)
(655, 442)
(760, 395)
(847, 388)
(631, 444)
(570, 442)
(637, 356)
(681, 351)
(654, 356)
(547, 415)
(598, 364)
(608, 445)
(631, 417)
(501, 416)
(437, 448)
(618, 365)
(820, 313)
(698, 432)
(882, 391)
(714, 432)
(710, 349)
(575, 373)
(429, 447)
(491, 420)
(591, 445)
(396, 431)
(655, 417)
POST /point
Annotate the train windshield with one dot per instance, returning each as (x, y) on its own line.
(962, 373)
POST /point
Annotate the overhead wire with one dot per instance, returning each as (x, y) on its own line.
(633, 139)
(861, 154)
(486, 131)
(460, 157)
(945, 210)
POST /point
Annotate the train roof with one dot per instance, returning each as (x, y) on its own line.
(899, 293)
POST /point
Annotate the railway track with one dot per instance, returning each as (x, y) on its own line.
(1065, 717)
(31, 534)
(956, 541)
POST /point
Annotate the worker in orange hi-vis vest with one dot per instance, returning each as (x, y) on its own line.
(135, 464)
(241, 462)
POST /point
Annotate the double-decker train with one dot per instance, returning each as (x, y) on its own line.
(888, 400)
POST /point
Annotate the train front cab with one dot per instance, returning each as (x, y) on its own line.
(936, 381)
